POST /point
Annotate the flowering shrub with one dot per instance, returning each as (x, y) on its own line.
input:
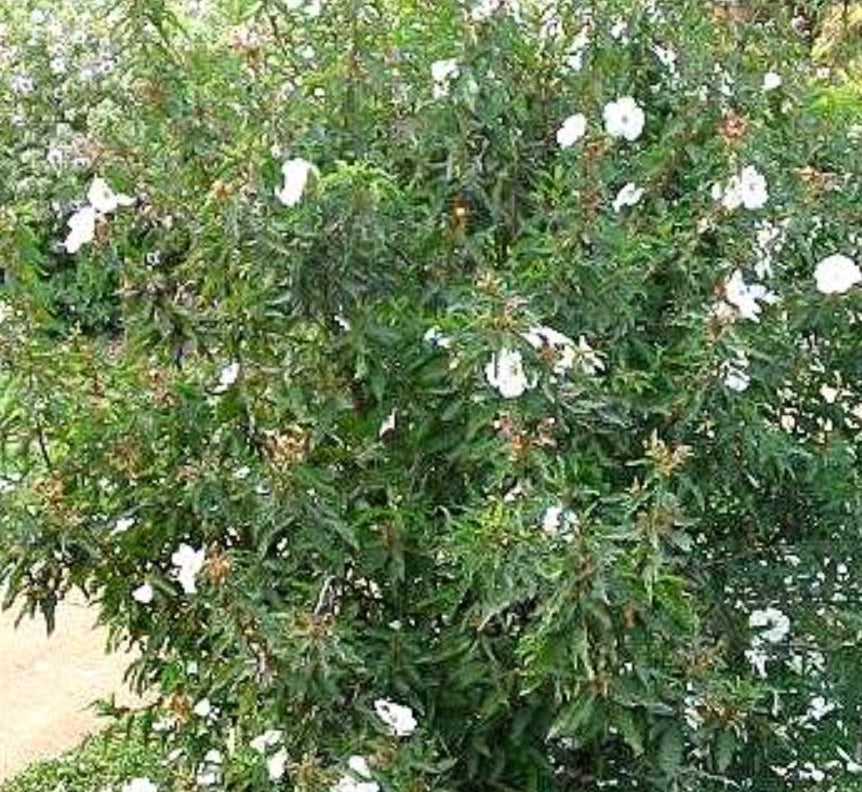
(443, 396)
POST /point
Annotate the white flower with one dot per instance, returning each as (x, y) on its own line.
(572, 130)
(618, 29)
(559, 521)
(836, 274)
(104, 200)
(143, 594)
(295, 172)
(227, 377)
(310, 7)
(736, 376)
(744, 297)
(122, 525)
(808, 772)
(575, 60)
(748, 189)
(505, 372)
(829, 395)
(818, 708)
(758, 658)
(484, 9)
(776, 624)
(22, 84)
(852, 765)
(434, 335)
(203, 709)
(575, 56)
(388, 425)
(188, 563)
(348, 784)
(624, 118)
(753, 188)
(566, 353)
(266, 740)
(359, 765)
(275, 765)
(629, 195)
(139, 785)
(666, 56)
(590, 360)
(82, 229)
(443, 72)
(209, 771)
(562, 346)
(768, 241)
(207, 775)
(397, 717)
(771, 81)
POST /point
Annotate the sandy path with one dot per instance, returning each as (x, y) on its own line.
(46, 684)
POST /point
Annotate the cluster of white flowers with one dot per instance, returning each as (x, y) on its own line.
(748, 188)
(624, 118)
(568, 353)
(746, 298)
(101, 202)
(505, 371)
(772, 627)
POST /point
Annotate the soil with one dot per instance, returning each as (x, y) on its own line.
(48, 684)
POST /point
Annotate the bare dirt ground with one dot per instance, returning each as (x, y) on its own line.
(48, 683)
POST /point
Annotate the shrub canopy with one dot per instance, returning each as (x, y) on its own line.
(443, 397)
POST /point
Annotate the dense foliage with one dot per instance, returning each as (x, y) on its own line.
(443, 397)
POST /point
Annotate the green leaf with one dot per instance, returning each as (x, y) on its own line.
(723, 750)
(670, 751)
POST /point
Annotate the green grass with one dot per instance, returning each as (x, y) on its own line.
(105, 760)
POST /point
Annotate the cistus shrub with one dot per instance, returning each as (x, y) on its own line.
(442, 396)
